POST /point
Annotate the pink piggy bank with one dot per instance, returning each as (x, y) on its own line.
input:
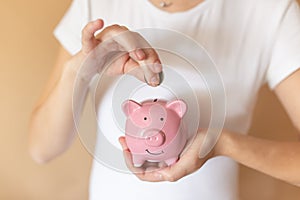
(154, 130)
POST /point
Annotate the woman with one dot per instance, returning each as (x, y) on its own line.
(252, 42)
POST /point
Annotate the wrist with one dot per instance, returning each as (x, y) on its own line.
(224, 144)
(73, 70)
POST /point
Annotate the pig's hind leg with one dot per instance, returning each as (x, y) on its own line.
(171, 161)
(138, 161)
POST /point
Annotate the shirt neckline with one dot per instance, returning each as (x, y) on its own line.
(158, 11)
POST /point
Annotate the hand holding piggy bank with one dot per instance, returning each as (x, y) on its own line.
(154, 130)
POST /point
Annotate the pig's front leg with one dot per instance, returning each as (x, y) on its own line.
(138, 161)
(171, 161)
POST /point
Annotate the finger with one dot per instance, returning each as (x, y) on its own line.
(139, 54)
(128, 158)
(133, 68)
(150, 58)
(139, 50)
(111, 31)
(123, 143)
(88, 38)
(118, 64)
(176, 171)
(125, 65)
(188, 163)
(151, 175)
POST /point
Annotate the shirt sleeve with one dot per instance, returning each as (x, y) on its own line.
(285, 57)
(68, 30)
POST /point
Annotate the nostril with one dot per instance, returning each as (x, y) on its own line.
(156, 140)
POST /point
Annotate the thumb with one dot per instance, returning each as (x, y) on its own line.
(88, 35)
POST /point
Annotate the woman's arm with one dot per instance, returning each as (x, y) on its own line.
(278, 159)
(52, 127)
(275, 158)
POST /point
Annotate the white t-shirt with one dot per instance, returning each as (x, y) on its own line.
(252, 42)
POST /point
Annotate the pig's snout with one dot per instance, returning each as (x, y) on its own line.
(154, 138)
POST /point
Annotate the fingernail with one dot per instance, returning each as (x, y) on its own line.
(155, 80)
(140, 54)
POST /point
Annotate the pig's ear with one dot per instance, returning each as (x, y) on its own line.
(178, 106)
(130, 106)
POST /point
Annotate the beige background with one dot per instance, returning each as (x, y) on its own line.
(27, 53)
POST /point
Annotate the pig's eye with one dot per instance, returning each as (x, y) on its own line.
(161, 119)
(145, 118)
